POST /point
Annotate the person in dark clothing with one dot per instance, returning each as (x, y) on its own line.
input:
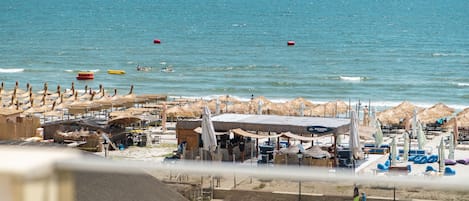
(356, 194)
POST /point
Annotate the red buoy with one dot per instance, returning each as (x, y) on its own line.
(157, 41)
(290, 42)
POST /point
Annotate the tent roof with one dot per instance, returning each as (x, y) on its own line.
(239, 131)
(270, 123)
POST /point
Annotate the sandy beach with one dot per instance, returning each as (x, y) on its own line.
(157, 152)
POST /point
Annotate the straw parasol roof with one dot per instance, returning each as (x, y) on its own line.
(124, 120)
(462, 117)
(212, 105)
(227, 98)
(396, 114)
(240, 108)
(261, 98)
(276, 108)
(329, 109)
(437, 111)
(296, 103)
(153, 97)
(182, 111)
(9, 111)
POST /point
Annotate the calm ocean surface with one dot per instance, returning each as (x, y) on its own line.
(383, 51)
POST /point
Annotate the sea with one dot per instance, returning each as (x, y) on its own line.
(378, 52)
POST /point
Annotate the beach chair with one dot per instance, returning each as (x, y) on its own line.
(450, 162)
(420, 159)
(430, 169)
(432, 159)
(412, 158)
(449, 171)
(463, 161)
(382, 167)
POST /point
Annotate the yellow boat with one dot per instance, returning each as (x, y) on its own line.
(118, 72)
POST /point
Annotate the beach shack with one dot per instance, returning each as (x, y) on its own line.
(239, 135)
(15, 126)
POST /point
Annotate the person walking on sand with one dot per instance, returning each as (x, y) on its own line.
(356, 194)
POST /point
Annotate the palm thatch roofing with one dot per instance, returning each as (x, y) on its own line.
(329, 109)
(9, 111)
(124, 120)
(394, 115)
(462, 117)
(435, 112)
(298, 101)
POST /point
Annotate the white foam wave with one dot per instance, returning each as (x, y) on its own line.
(71, 70)
(11, 70)
(439, 54)
(463, 84)
(347, 78)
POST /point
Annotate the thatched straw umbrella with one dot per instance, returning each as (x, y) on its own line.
(124, 120)
(395, 115)
(298, 101)
(238, 108)
(278, 109)
(212, 105)
(435, 112)
(462, 120)
(228, 99)
(84, 107)
(39, 109)
(329, 109)
(261, 98)
(299, 106)
(182, 112)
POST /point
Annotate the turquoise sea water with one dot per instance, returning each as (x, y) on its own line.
(383, 51)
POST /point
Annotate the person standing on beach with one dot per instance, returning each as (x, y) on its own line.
(356, 194)
(366, 119)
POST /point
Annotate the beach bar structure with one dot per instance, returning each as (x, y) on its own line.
(296, 127)
(14, 125)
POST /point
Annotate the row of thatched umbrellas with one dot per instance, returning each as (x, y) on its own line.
(404, 112)
(259, 105)
(52, 103)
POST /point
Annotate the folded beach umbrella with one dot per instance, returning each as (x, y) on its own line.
(354, 139)
(451, 147)
(217, 106)
(406, 147)
(208, 132)
(455, 131)
(441, 154)
(259, 107)
(393, 151)
(378, 135)
(302, 109)
(421, 136)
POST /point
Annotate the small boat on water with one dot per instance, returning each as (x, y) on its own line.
(85, 75)
(116, 72)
